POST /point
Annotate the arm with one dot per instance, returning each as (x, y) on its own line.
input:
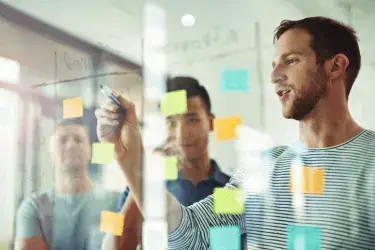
(28, 231)
(193, 230)
(190, 226)
(131, 231)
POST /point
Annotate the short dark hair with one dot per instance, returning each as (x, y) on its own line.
(328, 38)
(192, 87)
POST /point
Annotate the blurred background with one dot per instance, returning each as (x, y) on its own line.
(51, 50)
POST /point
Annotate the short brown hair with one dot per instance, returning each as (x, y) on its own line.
(328, 38)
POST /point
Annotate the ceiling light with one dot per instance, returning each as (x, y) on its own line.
(188, 20)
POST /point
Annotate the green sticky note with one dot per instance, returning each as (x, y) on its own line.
(228, 201)
(103, 153)
(304, 237)
(170, 164)
(224, 238)
(174, 103)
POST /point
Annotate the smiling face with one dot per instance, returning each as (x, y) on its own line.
(189, 132)
(300, 82)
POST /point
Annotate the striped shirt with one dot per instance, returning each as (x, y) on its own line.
(341, 214)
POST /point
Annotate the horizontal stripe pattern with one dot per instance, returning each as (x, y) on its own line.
(345, 210)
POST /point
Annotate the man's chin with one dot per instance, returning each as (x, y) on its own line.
(73, 168)
(287, 114)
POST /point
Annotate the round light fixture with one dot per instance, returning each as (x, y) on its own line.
(188, 20)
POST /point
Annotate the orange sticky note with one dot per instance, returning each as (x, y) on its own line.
(311, 180)
(111, 222)
(225, 128)
(73, 108)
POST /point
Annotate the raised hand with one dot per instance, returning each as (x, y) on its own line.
(125, 136)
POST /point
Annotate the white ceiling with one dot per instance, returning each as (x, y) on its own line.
(117, 24)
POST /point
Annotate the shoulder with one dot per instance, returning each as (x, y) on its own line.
(30, 205)
(274, 152)
(108, 195)
(368, 139)
(218, 174)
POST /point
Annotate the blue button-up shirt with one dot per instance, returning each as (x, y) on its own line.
(186, 192)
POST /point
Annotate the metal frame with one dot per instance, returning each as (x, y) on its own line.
(26, 21)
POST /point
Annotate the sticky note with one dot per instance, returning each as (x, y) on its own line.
(234, 80)
(72, 108)
(224, 238)
(111, 223)
(303, 237)
(308, 180)
(225, 128)
(228, 201)
(103, 153)
(171, 170)
(174, 103)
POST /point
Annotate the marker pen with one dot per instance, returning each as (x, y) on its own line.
(107, 92)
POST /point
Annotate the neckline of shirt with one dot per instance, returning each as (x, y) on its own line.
(299, 146)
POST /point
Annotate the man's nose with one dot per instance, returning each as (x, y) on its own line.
(184, 131)
(277, 77)
(70, 143)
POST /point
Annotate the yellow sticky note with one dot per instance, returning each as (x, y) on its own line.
(225, 128)
(170, 165)
(312, 180)
(228, 201)
(111, 222)
(103, 153)
(174, 103)
(72, 108)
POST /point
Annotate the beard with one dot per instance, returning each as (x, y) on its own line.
(307, 97)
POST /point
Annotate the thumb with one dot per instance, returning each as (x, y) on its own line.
(128, 105)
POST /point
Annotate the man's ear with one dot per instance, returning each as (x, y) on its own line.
(51, 149)
(89, 153)
(211, 119)
(337, 66)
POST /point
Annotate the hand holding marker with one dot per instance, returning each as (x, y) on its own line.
(107, 92)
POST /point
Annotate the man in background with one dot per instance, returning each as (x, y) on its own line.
(188, 135)
(67, 217)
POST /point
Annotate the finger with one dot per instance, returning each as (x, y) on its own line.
(110, 105)
(107, 121)
(99, 113)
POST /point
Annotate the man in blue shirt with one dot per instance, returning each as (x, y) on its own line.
(188, 135)
(66, 216)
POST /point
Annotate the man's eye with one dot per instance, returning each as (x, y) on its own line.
(291, 60)
(193, 120)
(171, 124)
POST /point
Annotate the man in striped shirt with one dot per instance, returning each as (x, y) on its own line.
(316, 193)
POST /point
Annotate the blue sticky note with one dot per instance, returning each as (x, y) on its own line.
(225, 238)
(304, 237)
(234, 80)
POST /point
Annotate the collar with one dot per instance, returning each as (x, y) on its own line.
(216, 174)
